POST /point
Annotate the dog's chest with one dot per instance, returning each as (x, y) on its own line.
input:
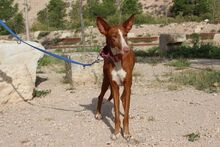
(118, 74)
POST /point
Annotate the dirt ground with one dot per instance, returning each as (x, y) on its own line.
(158, 116)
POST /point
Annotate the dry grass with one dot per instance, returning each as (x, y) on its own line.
(179, 63)
(205, 80)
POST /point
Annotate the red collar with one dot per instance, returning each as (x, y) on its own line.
(106, 53)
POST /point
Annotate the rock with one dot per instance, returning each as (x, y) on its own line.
(108, 143)
(66, 34)
(198, 29)
(206, 20)
(18, 64)
(171, 41)
(216, 39)
(130, 35)
(36, 34)
(215, 94)
(88, 75)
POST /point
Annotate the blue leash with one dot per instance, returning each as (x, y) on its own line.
(44, 51)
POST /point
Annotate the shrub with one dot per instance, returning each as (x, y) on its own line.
(37, 26)
(154, 51)
(192, 137)
(12, 17)
(53, 15)
(203, 51)
(41, 93)
(189, 8)
(131, 7)
(105, 9)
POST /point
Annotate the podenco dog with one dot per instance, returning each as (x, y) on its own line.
(119, 62)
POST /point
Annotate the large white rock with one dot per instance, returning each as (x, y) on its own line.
(171, 41)
(18, 64)
(216, 39)
(198, 29)
(88, 75)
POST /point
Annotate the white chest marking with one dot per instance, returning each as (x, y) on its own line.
(118, 74)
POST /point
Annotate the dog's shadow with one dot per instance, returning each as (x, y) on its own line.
(106, 111)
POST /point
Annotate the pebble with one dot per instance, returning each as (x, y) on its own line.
(215, 94)
(108, 143)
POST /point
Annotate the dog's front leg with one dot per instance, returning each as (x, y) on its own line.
(126, 101)
(115, 94)
(105, 85)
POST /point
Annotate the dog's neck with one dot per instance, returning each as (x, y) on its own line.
(111, 54)
(115, 51)
(117, 57)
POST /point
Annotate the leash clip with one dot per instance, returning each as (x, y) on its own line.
(18, 41)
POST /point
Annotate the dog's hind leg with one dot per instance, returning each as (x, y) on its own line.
(105, 86)
(110, 97)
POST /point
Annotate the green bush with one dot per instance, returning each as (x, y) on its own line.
(152, 52)
(131, 7)
(193, 137)
(10, 14)
(189, 8)
(114, 19)
(195, 38)
(108, 10)
(196, 10)
(53, 15)
(214, 53)
(74, 15)
(95, 8)
(203, 51)
(37, 26)
(142, 19)
(41, 93)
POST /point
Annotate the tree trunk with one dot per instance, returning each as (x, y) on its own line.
(82, 24)
(26, 20)
(118, 3)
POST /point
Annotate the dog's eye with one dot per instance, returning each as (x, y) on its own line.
(114, 36)
(125, 35)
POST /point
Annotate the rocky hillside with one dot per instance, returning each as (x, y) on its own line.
(156, 7)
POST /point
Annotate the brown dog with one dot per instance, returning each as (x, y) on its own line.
(119, 62)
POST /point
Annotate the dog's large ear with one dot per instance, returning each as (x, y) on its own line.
(127, 25)
(102, 25)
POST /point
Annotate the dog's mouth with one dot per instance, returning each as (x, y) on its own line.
(107, 51)
(126, 49)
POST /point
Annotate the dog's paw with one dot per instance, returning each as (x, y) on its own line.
(98, 116)
(114, 137)
(128, 137)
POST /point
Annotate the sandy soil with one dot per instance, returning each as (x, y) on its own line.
(159, 117)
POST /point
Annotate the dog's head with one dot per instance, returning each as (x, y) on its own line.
(116, 36)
